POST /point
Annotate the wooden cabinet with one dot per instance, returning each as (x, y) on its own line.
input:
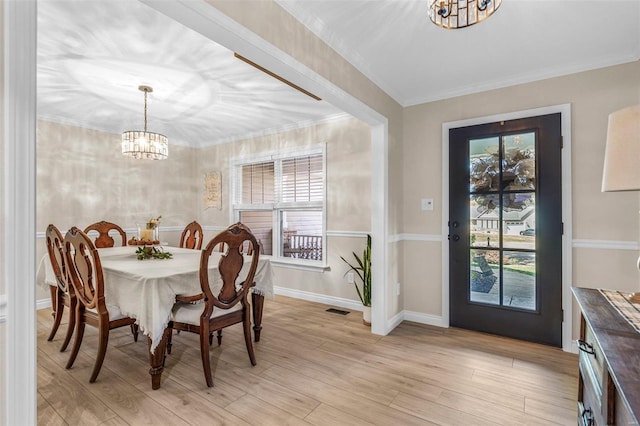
(609, 383)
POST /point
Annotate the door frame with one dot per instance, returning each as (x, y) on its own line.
(565, 111)
(19, 19)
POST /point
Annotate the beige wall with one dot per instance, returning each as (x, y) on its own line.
(596, 215)
(348, 147)
(91, 181)
(83, 178)
(268, 20)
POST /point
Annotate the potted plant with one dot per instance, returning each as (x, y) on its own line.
(363, 269)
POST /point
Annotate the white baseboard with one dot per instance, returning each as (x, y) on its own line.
(40, 304)
(426, 319)
(354, 305)
(43, 304)
(574, 347)
(319, 298)
(395, 321)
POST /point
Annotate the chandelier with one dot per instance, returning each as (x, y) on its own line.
(142, 144)
(454, 14)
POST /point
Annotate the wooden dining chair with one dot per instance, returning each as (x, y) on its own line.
(104, 240)
(230, 306)
(192, 236)
(86, 277)
(62, 293)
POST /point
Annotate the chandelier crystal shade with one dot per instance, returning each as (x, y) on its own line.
(454, 14)
(141, 144)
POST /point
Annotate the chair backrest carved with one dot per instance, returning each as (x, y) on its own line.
(192, 236)
(85, 269)
(55, 248)
(229, 267)
(104, 240)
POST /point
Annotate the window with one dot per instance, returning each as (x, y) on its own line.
(281, 198)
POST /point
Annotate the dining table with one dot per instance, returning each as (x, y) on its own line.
(146, 289)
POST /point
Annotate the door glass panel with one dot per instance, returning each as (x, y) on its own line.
(485, 220)
(502, 220)
(519, 162)
(519, 221)
(484, 169)
(519, 279)
(484, 285)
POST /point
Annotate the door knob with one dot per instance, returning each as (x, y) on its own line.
(455, 237)
(454, 224)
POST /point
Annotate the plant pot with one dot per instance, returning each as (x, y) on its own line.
(366, 315)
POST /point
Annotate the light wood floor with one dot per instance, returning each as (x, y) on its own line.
(317, 368)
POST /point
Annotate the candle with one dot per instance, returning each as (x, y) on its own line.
(146, 235)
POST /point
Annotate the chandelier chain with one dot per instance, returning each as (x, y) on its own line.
(145, 110)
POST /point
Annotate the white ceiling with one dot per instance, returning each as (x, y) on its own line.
(394, 43)
(93, 54)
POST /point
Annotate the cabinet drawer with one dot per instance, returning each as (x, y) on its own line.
(591, 354)
(590, 406)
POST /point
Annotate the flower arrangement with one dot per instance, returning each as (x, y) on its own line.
(153, 223)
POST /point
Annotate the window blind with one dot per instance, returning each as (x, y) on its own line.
(302, 179)
(258, 183)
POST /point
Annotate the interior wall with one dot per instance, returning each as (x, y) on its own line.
(348, 159)
(268, 20)
(83, 178)
(80, 190)
(597, 217)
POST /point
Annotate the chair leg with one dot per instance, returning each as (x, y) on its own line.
(134, 331)
(246, 326)
(103, 340)
(72, 324)
(169, 337)
(57, 310)
(79, 334)
(219, 337)
(204, 353)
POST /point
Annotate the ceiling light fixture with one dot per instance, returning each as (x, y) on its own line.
(454, 14)
(142, 144)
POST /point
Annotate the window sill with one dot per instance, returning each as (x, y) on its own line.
(298, 264)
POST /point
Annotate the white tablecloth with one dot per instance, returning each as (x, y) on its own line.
(146, 289)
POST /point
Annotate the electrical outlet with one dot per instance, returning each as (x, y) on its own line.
(397, 289)
(426, 204)
(351, 278)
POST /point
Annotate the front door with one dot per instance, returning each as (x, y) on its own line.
(505, 228)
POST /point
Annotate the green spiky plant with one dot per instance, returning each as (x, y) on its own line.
(363, 269)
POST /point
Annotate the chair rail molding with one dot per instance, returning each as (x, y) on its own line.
(577, 243)
(214, 228)
(435, 238)
(606, 244)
